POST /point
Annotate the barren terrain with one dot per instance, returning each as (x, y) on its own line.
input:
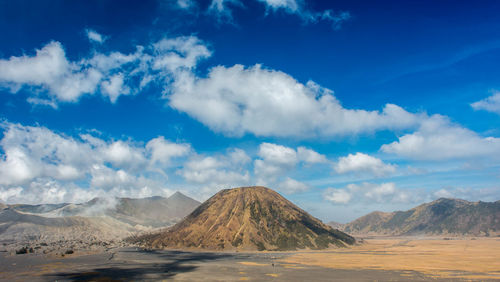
(466, 258)
(377, 258)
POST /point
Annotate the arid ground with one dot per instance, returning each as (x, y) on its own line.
(383, 259)
(471, 258)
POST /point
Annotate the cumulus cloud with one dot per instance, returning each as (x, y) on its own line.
(53, 78)
(122, 154)
(45, 190)
(368, 192)
(50, 70)
(337, 196)
(233, 100)
(363, 163)
(310, 156)
(438, 139)
(212, 173)
(173, 54)
(49, 166)
(264, 102)
(490, 104)
(35, 157)
(274, 161)
(291, 186)
(162, 151)
(114, 87)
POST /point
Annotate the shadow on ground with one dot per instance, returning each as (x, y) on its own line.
(143, 264)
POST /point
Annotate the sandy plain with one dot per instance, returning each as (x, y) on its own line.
(376, 259)
(459, 258)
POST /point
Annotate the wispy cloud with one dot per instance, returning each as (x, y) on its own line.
(300, 9)
(94, 36)
(490, 104)
(223, 11)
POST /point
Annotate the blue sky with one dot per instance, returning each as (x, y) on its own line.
(343, 107)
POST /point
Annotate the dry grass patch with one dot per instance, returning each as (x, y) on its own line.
(464, 258)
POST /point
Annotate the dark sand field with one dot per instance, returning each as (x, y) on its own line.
(375, 260)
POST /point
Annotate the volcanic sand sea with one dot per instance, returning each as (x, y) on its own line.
(381, 259)
(467, 258)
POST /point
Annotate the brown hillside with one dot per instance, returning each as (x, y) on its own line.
(248, 218)
(440, 217)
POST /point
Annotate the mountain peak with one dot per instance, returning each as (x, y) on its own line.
(441, 216)
(248, 218)
(177, 194)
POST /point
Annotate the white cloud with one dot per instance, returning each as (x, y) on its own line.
(438, 139)
(369, 193)
(222, 169)
(95, 36)
(337, 196)
(443, 193)
(299, 8)
(210, 170)
(173, 54)
(114, 87)
(379, 192)
(239, 100)
(52, 78)
(467, 193)
(222, 9)
(212, 173)
(278, 154)
(123, 155)
(360, 162)
(162, 151)
(50, 70)
(52, 191)
(336, 19)
(310, 156)
(276, 160)
(490, 104)
(289, 5)
(234, 100)
(31, 152)
(39, 166)
(239, 157)
(6, 195)
(186, 4)
(291, 186)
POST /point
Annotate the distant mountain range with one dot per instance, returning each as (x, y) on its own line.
(96, 221)
(247, 218)
(148, 212)
(440, 217)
